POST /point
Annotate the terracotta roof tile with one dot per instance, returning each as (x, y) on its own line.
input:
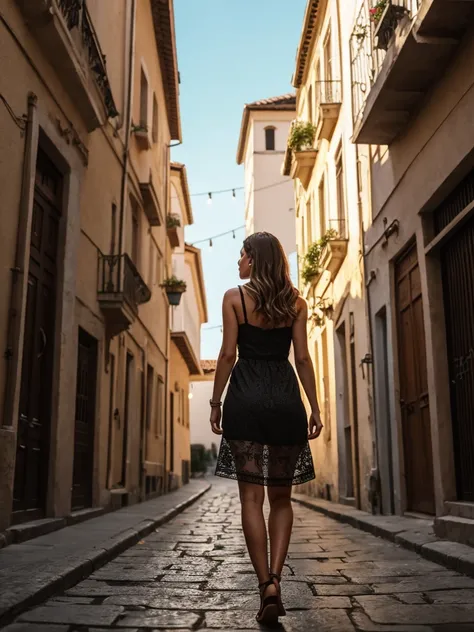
(284, 99)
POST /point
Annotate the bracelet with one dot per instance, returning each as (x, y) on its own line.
(214, 404)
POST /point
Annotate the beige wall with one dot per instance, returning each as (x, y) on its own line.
(269, 209)
(344, 394)
(91, 164)
(413, 175)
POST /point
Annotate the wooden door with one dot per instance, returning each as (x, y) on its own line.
(34, 423)
(458, 285)
(414, 400)
(85, 421)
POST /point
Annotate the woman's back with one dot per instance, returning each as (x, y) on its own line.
(257, 342)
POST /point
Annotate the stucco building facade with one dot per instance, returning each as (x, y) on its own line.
(90, 107)
(413, 100)
(329, 207)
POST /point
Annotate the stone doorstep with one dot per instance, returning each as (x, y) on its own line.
(455, 528)
(411, 533)
(80, 569)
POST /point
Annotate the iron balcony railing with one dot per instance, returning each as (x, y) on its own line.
(77, 16)
(328, 92)
(373, 28)
(118, 276)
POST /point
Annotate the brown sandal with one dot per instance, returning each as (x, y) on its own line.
(281, 607)
(269, 609)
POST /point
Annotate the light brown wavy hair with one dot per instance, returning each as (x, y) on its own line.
(270, 284)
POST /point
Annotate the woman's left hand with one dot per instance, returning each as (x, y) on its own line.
(215, 420)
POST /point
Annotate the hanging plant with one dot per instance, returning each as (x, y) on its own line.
(312, 258)
(302, 135)
(173, 284)
(174, 289)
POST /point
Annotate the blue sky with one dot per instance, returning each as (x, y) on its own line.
(230, 52)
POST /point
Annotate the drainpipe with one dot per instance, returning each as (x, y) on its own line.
(167, 364)
(19, 271)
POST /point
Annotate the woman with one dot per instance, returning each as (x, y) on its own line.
(265, 427)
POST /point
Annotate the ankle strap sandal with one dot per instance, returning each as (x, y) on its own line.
(281, 607)
(269, 609)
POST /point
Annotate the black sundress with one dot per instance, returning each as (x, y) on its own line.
(265, 426)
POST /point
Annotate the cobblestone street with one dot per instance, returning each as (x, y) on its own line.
(194, 574)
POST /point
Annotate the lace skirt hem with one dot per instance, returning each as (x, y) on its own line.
(268, 465)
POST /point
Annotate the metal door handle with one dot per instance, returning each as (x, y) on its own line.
(45, 340)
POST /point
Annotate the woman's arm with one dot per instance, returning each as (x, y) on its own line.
(227, 355)
(304, 366)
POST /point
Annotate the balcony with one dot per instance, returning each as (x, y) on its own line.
(328, 102)
(186, 334)
(302, 165)
(399, 50)
(120, 291)
(66, 34)
(151, 202)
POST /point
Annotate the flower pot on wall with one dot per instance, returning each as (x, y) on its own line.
(174, 297)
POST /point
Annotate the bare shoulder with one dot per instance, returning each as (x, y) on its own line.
(301, 306)
(231, 295)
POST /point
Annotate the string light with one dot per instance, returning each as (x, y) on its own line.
(233, 190)
(212, 237)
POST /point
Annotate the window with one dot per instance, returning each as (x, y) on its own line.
(159, 406)
(143, 100)
(322, 207)
(270, 139)
(155, 120)
(327, 57)
(341, 198)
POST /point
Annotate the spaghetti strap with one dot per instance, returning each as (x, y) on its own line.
(243, 304)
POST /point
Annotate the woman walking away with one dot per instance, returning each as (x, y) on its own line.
(265, 428)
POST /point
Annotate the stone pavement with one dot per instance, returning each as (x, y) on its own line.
(32, 571)
(193, 574)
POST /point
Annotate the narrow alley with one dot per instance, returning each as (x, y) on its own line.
(194, 574)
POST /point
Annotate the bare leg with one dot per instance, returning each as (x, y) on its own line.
(253, 525)
(280, 523)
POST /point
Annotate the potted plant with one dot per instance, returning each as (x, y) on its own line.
(385, 15)
(173, 222)
(302, 135)
(174, 288)
(142, 135)
(377, 10)
(311, 268)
